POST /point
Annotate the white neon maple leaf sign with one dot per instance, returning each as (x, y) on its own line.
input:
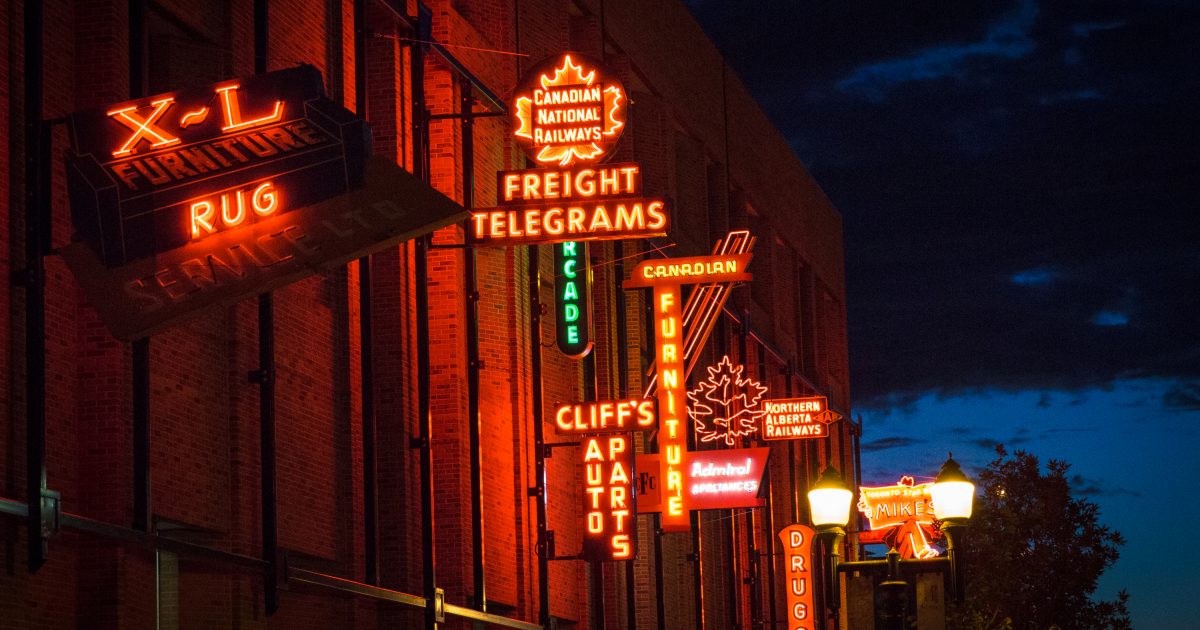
(726, 405)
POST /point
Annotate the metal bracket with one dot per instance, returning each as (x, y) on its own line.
(439, 605)
(473, 296)
(260, 377)
(417, 442)
(476, 364)
(51, 512)
(535, 492)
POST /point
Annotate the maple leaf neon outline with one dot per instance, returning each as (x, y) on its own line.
(725, 390)
(570, 73)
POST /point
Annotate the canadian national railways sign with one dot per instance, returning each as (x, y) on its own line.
(154, 174)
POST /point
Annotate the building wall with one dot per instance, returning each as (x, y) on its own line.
(702, 142)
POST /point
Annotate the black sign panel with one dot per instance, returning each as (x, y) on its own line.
(572, 298)
(154, 174)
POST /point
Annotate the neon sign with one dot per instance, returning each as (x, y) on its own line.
(796, 541)
(608, 416)
(797, 418)
(568, 111)
(901, 516)
(572, 299)
(568, 115)
(669, 357)
(150, 175)
(726, 406)
(711, 480)
(608, 467)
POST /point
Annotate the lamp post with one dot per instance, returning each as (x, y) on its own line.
(829, 502)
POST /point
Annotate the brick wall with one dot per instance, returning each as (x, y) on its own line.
(205, 440)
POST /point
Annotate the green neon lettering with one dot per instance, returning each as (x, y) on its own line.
(568, 249)
(570, 292)
(572, 334)
(569, 269)
(571, 312)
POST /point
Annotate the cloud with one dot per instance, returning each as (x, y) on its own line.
(1008, 38)
(1088, 487)
(1036, 277)
(1110, 318)
(1183, 397)
(886, 443)
(1085, 29)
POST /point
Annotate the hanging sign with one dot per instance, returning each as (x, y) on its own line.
(796, 542)
(155, 174)
(149, 294)
(609, 505)
(667, 277)
(797, 418)
(572, 299)
(725, 406)
(605, 416)
(710, 480)
(568, 114)
(901, 516)
(568, 110)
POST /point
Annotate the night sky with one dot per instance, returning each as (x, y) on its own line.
(1017, 185)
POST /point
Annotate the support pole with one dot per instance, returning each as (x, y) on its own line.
(366, 337)
(539, 438)
(466, 104)
(37, 210)
(622, 392)
(425, 418)
(266, 411)
(768, 519)
(266, 380)
(421, 271)
(140, 348)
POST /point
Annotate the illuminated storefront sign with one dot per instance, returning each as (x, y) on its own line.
(725, 406)
(149, 294)
(797, 418)
(572, 299)
(710, 480)
(605, 416)
(608, 483)
(796, 542)
(902, 516)
(154, 174)
(667, 277)
(568, 114)
(568, 111)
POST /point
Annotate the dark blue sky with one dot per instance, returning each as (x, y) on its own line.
(1017, 184)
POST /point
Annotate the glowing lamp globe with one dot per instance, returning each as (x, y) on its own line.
(829, 501)
(953, 494)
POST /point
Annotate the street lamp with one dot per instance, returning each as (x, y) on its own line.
(829, 502)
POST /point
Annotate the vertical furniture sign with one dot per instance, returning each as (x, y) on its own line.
(666, 277)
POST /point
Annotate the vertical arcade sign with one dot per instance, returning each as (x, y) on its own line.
(572, 298)
(796, 541)
(666, 277)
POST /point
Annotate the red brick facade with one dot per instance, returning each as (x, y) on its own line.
(701, 141)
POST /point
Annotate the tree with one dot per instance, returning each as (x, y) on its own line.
(1034, 553)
